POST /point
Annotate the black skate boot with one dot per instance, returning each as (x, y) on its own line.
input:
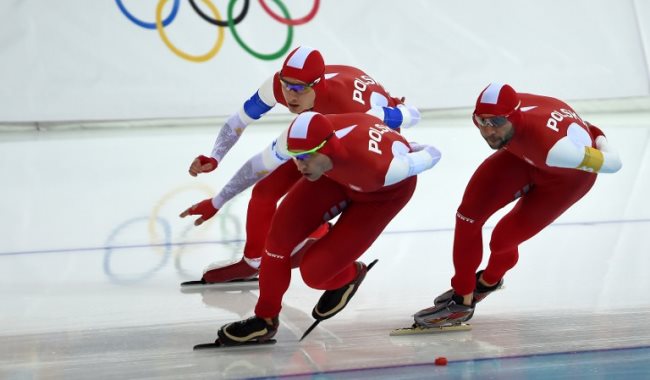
(452, 312)
(483, 291)
(480, 292)
(251, 330)
(333, 301)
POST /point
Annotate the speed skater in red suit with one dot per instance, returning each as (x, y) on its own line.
(304, 83)
(351, 165)
(547, 158)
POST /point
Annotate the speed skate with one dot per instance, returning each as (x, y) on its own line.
(201, 285)
(416, 329)
(219, 344)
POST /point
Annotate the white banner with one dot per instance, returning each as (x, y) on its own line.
(106, 59)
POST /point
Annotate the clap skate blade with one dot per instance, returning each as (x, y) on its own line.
(218, 344)
(416, 329)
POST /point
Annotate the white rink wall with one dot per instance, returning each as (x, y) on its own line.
(74, 60)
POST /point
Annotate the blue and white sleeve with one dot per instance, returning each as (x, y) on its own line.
(253, 109)
(402, 116)
(256, 168)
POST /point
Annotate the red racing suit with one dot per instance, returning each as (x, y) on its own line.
(345, 89)
(372, 179)
(534, 168)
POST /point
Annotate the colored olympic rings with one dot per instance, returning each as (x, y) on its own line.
(182, 54)
(156, 212)
(149, 25)
(124, 278)
(218, 21)
(230, 22)
(289, 21)
(255, 54)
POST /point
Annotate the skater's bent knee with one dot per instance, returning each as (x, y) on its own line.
(312, 275)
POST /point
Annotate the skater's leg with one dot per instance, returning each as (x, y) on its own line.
(534, 211)
(292, 223)
(331, 262)
(499, 180)
(261, 208)
(262, 205)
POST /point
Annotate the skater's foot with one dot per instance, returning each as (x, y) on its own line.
(240, 270)
(481, 291)
(452, 312)
(333, 301)
(253, 329)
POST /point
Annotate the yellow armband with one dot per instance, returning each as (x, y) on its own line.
(592, 161)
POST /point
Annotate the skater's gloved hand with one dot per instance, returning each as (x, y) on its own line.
(203, 164)
(595, 131)
(401, 100)
(203, 208)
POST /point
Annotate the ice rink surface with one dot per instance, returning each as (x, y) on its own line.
(93, 252)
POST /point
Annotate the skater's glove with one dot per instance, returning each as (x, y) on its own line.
(595, 131)
(599, 137)
(203, 208)
(397, 101)
(203, 164)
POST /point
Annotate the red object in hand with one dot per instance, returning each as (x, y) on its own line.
(203, 208)
(203, 164)
(440, 361)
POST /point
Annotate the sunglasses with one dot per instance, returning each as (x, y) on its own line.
(304, 154)
(491, 121)
(297, 87)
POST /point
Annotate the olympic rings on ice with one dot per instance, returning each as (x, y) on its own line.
(217, 20)
(123, 278)
(230, 226)
(138, 264)
(166, 198)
